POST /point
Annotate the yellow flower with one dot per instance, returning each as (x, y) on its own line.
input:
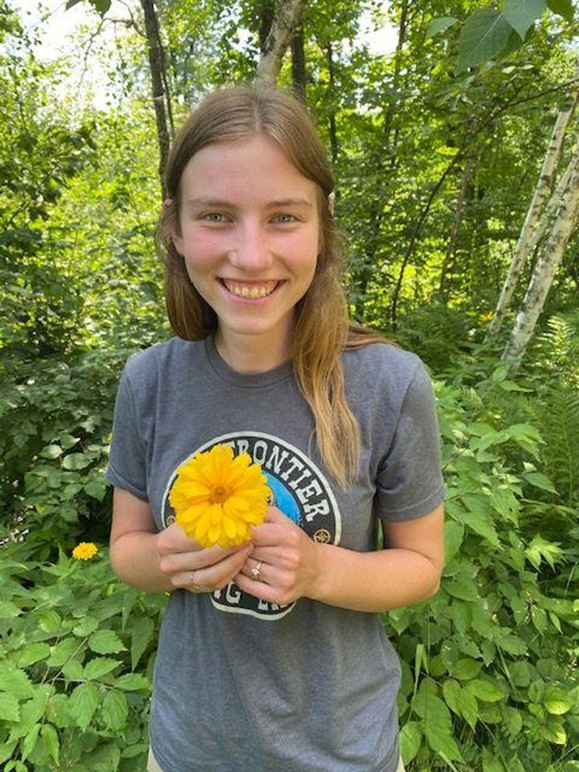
(218, 497)
(84, 551)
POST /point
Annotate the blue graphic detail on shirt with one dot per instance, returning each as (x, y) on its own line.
(283, 499)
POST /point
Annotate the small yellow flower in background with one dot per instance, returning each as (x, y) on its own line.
(218, 497)
(85, 550)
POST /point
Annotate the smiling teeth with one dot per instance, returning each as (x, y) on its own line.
(252, 292)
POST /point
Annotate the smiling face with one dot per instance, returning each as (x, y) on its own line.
(249, 232)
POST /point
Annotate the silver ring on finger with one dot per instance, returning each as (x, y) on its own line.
(256, 570)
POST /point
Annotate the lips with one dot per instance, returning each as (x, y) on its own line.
(250, 290)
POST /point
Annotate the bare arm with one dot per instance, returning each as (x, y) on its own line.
(406, 571)
(163, 561)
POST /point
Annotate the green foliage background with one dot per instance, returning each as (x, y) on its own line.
(436, 164)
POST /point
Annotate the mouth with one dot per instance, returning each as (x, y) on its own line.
(250, 290)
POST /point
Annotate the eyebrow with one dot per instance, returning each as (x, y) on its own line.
(218, 203)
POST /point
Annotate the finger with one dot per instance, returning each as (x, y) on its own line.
(214, 576)
(200, 558)
(275, 515)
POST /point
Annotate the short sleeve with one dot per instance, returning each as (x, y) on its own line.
(409, 482)
(128, 456)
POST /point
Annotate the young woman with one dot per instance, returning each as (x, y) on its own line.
(272, 655)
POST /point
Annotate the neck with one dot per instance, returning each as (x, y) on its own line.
(252, 353)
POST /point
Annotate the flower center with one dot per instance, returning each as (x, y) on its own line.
(219, 494)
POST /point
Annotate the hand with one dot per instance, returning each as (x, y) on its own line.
(194, 568)
(285, 559)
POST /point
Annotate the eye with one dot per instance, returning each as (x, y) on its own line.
(214, 217)
(284, 218)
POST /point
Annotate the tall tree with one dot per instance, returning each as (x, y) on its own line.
(278, 39)
(159, 85)
(564, 225)
(532, 231)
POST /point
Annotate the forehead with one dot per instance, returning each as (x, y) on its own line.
(253, 164)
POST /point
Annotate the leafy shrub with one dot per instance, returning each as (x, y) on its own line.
(488, 664)
(76, 652)
(55, 424)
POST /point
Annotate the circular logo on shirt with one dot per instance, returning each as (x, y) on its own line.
(299, 490)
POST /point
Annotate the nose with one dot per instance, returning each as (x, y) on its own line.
(250, 250)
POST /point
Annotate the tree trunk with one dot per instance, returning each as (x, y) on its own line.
(529, 238)
(334, 146)
(383, 155)
(159, 86)
(464, 199)
(552, 254)
(278, 39)
(299, 63)
(266, 17)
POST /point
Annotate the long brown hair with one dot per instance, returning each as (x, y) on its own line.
(321, 330)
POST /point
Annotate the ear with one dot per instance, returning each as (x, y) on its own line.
(171, 216)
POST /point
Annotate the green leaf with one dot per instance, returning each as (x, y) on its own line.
(99, 666)
(438, 729)
(410, 740)
(485, 691)
(9, 707)
(461, 615)
(513, 720)
(30, 741)
(64, 651)
(51, 451)
(477, 517)
(85, 627)
(482, 37)
(439, 25)
(452, 692)
(132, 682)
(512, 644)
(554, 732)
(106, 642)
(541, 481)
(73, 670)
(34, 652)
(562, 8)
(9, 610)
(75, 461)
(96, 489)
(50, 622)
(520, 674)
(490, 763)
(142, 631)
(522, 14)
(465, 669)
(115, 710)
(462, 588)
(15, 681)
(51, 742)
(83, 703)
(102, 6)
(31, 711)
(453, 538)
(556, 701)
(58, 711)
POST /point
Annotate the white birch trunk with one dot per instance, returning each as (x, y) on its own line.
(552, 254)
(530, 232)
(277, 41)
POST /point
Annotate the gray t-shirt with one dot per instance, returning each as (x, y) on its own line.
(241, 684)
